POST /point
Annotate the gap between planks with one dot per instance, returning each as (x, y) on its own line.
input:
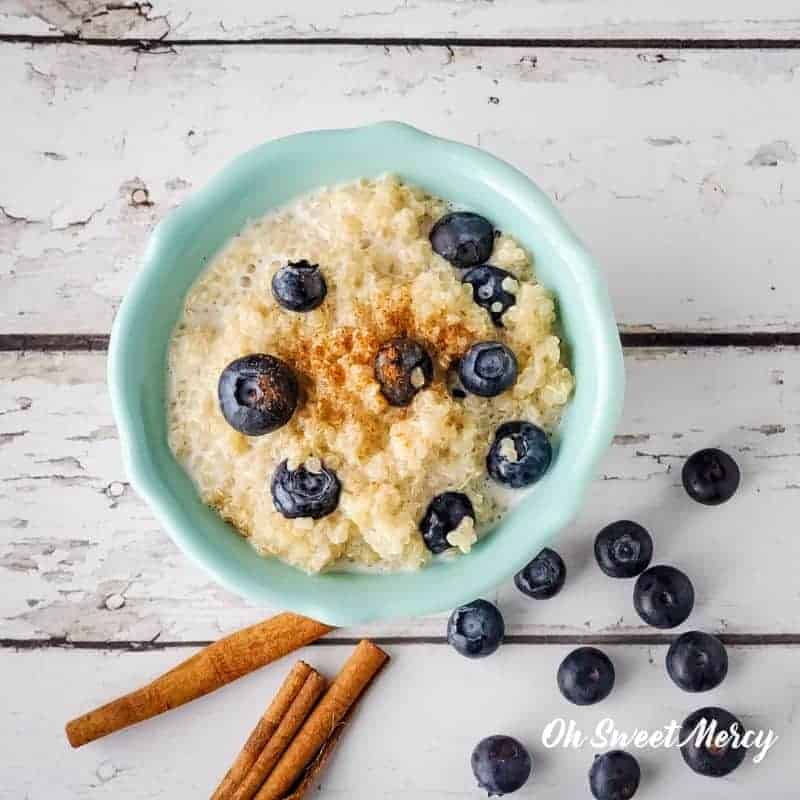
(98, 343)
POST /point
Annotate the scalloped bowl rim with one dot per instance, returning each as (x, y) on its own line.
(350, 598)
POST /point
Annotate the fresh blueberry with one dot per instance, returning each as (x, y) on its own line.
(663, 596)
(302, 492)
(488, 291)
(257, 394)
(519, 455)
(586, 676)
(402, 368)
(623, 549)
(614, 776)
(710, 476)
(500, 764)
(476, 630)
(463, 238)
(299, 286)
(487, 369)
(704, 749)
(445, 513)
(543, 577)
(697, 661)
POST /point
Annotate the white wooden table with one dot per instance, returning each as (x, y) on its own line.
(668, 134)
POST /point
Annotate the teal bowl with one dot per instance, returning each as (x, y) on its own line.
(270, 176)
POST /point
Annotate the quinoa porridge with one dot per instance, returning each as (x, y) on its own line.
(349, 378)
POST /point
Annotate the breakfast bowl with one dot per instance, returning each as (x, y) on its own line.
(268, 177)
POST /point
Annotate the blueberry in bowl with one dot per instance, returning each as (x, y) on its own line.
(307, 491)
(493, 289)
(299, 286)
(402, 368)
(463, 238)
(520, 454)
(445, 513)
(487, 369)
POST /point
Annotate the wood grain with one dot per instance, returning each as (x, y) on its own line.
(250, 19)
(81, 556)
(412, 737)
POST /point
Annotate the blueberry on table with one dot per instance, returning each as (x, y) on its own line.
(487, 369)
(476, 630)
(710, 476)
(489, 290)
(299, 286)
(543, 577)
(463, 238)
(586, 676)
(305, 491)
(444, 514)
(697, 661)
(500, 764)
(257, 394)
(519, 455)
(614, 776)
(623, 549)
(708, 754)
(663, 596)
(402, 368)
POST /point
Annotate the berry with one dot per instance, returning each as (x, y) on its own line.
(445, 513)
(697, 661)
(500, 764)
(487, 369)
(476, 630)
(663, 596)
(710, 476)
(488, 292)
(519, 455)
(702, 750)
(543, 577)
(402, 368)
(623, 549)
(305, 492)
(614, 776)
(463, 238)
(299, 286)
(257, 394)
(586, 676)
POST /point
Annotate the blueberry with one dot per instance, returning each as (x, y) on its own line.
(500, 764)
(302, 492)
(402, 368)
(487, 369)
(299, 286)
(663, 596)
(543, 577)
(586, 676)
(614, 776)
(703, 751)
(623, 549)
(445, 513)
(257, 394)
(476, 630)
(463, 238)
(697, 661)
(488, 291)
(710, 476)
(519, 455)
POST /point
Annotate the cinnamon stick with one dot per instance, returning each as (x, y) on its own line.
(282, 737)
(350, 683)
(214, 666)
(264, 730)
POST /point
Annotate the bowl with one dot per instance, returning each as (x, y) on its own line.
(270, 176)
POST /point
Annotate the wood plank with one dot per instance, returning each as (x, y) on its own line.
(82, 557)
(248, 19)
(411, 737)
(679, 169)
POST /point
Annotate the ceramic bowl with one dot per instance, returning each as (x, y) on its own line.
(270, 176)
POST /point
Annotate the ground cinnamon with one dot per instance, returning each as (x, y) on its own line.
(214, 666)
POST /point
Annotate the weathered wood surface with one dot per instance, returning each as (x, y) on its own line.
(412, 735)
(82, 557)
(679, 169)
(250, 19)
